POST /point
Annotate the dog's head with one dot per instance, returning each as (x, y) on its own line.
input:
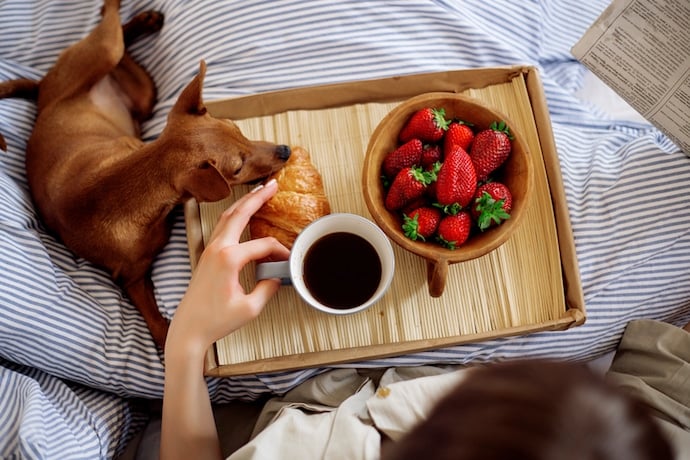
(212, 153)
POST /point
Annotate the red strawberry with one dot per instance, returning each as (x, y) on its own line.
(492, 205)
(457, 179)
(420, 202)
(490, 149)
(426, 124)
(421, 223)
(453, 231)
(408, 154)
(431, 189)
(458, 133)
(430, 155)
(409, 185)
(431, 192)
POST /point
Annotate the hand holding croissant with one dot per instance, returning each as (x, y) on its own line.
(299, 201)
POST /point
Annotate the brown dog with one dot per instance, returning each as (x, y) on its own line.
(106, 194)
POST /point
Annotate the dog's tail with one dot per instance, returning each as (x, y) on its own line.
(22, 87)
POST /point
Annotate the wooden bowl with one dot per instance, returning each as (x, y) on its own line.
(516, 173)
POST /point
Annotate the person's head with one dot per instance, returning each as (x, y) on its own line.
(534, 410)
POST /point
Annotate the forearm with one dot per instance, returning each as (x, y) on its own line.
(214, 305)
(188, 428)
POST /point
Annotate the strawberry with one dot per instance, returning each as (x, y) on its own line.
(431, 189)
(490, 149)
(458, 133)
(420, 202)
(457, 179)
(431, 153)
(492, 205)
(409, 185)
(408, 154)
(453, 231)
(421, 223)
(431, 192)
(427, 124)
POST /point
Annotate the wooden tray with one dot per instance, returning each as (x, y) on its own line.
(530, 283)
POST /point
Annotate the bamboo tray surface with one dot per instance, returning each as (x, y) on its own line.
(517, 288)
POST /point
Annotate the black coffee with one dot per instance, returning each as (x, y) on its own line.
(342, 270)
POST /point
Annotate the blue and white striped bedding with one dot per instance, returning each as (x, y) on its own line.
(72, 348)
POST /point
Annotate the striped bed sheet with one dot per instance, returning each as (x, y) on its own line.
(74, 353)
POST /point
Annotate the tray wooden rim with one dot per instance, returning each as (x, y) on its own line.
(383, 90)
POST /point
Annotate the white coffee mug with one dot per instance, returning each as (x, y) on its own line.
(340, 264)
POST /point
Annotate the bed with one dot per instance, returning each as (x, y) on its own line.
(75, 356)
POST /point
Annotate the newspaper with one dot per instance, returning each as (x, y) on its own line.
(641, 49)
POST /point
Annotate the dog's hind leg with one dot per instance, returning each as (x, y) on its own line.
(88, 60)
(141, 294)
(132, 78)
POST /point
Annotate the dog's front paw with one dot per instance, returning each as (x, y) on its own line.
(152, 20)
(143, 23)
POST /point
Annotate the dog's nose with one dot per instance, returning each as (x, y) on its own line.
(283, 152)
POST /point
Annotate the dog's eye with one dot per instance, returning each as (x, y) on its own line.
(237, 171)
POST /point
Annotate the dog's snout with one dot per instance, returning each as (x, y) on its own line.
(283, 152)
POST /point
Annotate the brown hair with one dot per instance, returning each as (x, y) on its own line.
(534, 410)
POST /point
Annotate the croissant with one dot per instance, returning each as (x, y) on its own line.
(300, 199)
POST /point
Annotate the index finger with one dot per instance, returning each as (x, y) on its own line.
(233, 221)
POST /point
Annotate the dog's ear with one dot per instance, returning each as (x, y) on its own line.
(191, 100)
(205, 183)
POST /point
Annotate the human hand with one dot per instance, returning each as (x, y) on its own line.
(215, 303)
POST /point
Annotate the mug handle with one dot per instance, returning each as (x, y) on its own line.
(270, 270)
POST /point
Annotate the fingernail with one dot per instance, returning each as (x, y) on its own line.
(271, 182)
(257, 188)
